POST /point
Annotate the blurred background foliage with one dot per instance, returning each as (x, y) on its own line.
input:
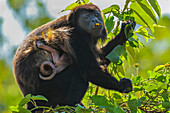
(154, 53)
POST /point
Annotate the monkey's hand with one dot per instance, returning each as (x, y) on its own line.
(126, 27)
(125, 85)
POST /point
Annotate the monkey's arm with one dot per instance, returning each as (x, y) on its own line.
(105, 80)
(119, 39)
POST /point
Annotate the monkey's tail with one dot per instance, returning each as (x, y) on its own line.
(48, 70)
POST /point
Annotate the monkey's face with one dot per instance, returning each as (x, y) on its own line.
(92, 22)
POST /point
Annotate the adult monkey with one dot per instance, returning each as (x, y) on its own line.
(72, 40)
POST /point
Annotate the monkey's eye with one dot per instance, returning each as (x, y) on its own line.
(97, 14)
(85, 16)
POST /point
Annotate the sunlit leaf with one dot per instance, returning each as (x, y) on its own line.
(156, 7)
(142, 16)
(142, 31)
(150, 87)
(14, 109)
(162, 85)
(148, 9)
(25, 100)
(152, 74)
(38, 97)
(24, 110)
(18, 109)
(86, 1)
(71, 6)
(158, 68)
(159, 26)
(110, 9)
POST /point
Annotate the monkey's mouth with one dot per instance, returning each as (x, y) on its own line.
(97, 24)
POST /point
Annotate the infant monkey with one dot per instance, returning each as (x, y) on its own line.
(59, 61)
(50, 50)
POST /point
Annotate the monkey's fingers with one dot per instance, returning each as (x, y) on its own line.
(48, 70)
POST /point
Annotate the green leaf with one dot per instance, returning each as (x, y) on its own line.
(133, 42)
(137, 88)
(18, 109)
(152, 74)
(159, 68)
(118, 15)
(142, 31)
(165, 97)
(150, 87)
(25, 100)
(133, 105)
(23, 110)
(117, 110)
(166, 105)
(101, 101)
(71, 6)
(119, 50)
(158, 26)
(113, 56)
(38, 97)
(14, 109)
(116, 96)
(109, 23)
(162, 85)
(161, 78)
(81, 109)
(86, 1)
(140, 101)
(110, 9)
(156, 7)
(130, 33)
(148, 9)
(141, 17)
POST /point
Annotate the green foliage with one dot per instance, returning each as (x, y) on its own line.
(77, 3)
(149, 94)
(20, 108)
(16, 4)
(9, 92)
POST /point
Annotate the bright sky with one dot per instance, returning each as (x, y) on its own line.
(13, 31)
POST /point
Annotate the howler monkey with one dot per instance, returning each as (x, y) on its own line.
(59, 59)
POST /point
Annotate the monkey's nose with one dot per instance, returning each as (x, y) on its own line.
(94, 20)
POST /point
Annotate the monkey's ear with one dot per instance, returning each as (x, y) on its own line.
(71, 18)
(104, 33)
